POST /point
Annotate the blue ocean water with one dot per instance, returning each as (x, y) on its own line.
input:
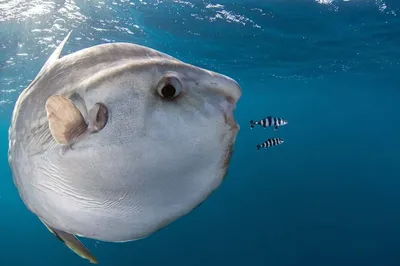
(328, 196)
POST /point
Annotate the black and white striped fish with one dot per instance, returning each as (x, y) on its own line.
(270, 142)
(269, 121)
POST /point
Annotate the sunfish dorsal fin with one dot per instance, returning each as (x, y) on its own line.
(73, 243)
(55, 55)
(66, 122)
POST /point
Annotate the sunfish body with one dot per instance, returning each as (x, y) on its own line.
(116, 141)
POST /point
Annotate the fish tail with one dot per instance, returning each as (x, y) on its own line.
(258, 146)
(252, 124)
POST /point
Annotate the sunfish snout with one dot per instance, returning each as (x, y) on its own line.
(227, 87)
(231, 91)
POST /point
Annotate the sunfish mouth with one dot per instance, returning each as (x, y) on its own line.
(231, 92)
(227, 108)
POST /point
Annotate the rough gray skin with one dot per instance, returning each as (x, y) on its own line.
(153, 162)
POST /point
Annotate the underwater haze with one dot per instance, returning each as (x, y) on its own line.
(328, 196)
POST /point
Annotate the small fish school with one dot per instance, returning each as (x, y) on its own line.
(266, 122)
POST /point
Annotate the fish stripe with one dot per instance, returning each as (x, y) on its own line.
(270, 121)
(271, 142)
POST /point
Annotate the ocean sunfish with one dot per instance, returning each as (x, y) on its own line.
(117, 141)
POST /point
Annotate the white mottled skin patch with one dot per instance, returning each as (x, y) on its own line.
(153, 162)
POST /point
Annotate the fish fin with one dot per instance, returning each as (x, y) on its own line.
(80, 103)
(276, 128)
(48, 227)
(66, 122)
(258, 146)
(55, 55)
(73, 243)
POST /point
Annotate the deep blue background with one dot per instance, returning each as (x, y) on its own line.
(328, 196)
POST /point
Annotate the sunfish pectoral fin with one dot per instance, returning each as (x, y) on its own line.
(66, 122)
(80, 103)
(73, 243)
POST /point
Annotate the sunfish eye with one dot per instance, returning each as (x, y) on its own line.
(168, 91)
(169, 87)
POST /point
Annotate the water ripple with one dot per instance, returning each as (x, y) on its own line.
(261, 38)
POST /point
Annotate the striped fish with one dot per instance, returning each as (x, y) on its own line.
(269, 121)
(270, 142)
